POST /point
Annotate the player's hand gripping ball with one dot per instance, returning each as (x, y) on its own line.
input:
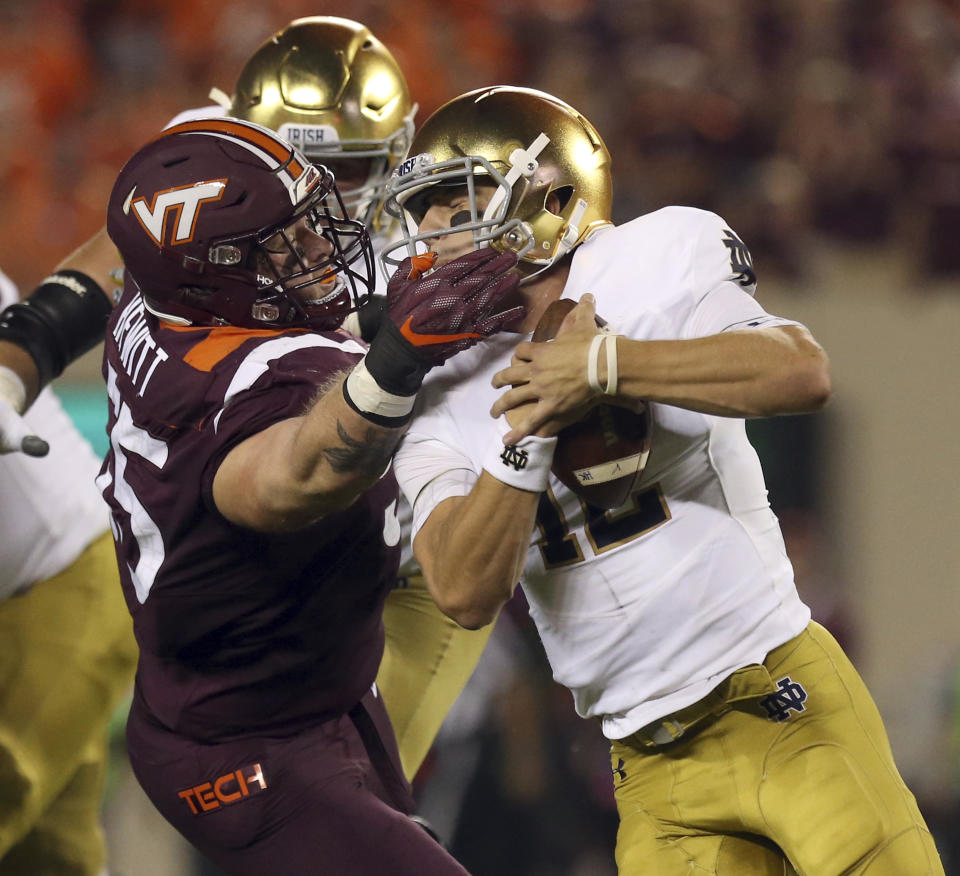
(601, 456)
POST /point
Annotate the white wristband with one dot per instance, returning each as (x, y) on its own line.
(366, 397)
(610, 342)
(525, 465)
(12, 389)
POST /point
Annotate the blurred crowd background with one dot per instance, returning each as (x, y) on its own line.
(803, 116)
(827, 133)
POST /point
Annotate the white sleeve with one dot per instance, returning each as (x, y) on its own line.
(727, 307)
(429, 471)
(719, 254)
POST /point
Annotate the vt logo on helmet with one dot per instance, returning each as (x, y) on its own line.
(221, 221)
(183, 202)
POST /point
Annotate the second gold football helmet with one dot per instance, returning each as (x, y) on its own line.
(335, 92)
(529, 144)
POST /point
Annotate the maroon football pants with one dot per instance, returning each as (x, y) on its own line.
(329, 800)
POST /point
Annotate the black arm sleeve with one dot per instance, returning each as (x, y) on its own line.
(63, 318)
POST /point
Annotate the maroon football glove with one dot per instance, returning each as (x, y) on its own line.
(459, 303)
(432, 317)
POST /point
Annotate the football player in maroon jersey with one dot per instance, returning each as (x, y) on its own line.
(330, 87)
(427, 657)
(253, 502)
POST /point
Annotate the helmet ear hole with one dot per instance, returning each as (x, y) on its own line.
(195, 296)
(562, 195)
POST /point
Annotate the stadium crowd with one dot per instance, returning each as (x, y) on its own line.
(791, 119)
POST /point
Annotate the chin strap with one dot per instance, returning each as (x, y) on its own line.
(572, 232)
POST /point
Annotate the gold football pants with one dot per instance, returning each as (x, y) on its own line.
(427, 660)
(67, 659)
(785, 769)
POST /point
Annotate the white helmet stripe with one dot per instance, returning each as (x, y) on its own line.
(523, 162)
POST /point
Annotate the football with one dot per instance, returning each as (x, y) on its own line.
(600, 457)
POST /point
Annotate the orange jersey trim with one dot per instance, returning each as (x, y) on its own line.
(219, 343)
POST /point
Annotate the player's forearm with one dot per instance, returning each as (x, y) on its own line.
(99, 260)
(473, 548)
(757, 373)
(319, 464)
(336, 453)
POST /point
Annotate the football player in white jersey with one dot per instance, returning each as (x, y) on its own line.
(333, 89)
(743, 740)
(68, 649)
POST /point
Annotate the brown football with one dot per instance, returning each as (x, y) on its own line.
(600, 457)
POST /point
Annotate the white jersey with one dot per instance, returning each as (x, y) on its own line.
(644, 609)
(51, 510)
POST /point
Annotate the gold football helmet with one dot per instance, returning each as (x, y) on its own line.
(333, 90)
(531, 146)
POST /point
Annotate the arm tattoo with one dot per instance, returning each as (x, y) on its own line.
(369, 453)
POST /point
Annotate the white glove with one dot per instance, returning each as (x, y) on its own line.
(15, 434)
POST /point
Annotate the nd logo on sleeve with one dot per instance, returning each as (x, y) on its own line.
(741, 262)
(182, 202)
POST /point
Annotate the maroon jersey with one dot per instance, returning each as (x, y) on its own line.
(240, 632)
